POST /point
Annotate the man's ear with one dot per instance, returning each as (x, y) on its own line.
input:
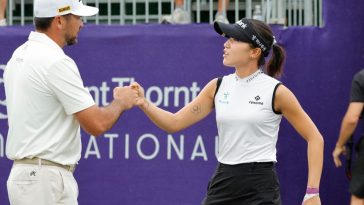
(59, 21)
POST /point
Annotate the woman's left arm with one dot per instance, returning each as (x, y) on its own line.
(288, 105)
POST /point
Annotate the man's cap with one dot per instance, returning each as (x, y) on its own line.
(243, 31)
(52, 8)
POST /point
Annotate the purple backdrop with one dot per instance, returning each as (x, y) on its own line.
(135, 163)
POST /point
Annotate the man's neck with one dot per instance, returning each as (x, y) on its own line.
(54, 36)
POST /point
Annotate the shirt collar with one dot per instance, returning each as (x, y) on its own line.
(44, 39)
(249, 78)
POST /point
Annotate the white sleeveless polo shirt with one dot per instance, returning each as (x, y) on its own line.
(247, 124)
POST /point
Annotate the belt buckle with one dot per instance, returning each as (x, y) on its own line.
(71, 168)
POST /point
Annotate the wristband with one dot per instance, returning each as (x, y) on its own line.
(310, 190)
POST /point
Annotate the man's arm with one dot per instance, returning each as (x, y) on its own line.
(97, 120)
(348, 126)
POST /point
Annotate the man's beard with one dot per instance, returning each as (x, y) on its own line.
(71, 41)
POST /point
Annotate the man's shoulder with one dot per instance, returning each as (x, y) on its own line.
(52, 56)
(34, 49)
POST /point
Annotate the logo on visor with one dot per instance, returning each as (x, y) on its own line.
(242, 24)
(3, 114)
(260, 44)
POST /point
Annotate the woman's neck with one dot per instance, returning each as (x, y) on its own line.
(245, 71)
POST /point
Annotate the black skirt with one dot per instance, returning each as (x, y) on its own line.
(244, 184)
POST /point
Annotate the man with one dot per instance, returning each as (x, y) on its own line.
(47, 103)
(348, 126)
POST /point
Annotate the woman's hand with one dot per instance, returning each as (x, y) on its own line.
(312, 201)
(140, 101)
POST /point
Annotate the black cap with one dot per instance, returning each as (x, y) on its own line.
(243, 31)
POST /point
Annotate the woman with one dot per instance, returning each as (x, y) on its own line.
(249, 106)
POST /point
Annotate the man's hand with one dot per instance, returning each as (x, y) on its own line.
(126, 96)
(336, 155)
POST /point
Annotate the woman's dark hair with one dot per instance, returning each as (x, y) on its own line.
(42, 24)
(275, 64)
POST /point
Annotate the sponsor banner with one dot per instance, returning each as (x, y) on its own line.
(136, 163)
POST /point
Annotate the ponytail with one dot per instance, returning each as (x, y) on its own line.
(275, 64)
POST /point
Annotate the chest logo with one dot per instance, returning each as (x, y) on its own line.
(256, 101)
(225, 98)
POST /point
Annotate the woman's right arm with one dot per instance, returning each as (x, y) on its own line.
(193, 112)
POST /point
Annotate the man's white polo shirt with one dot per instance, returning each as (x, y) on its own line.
(43, 90)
